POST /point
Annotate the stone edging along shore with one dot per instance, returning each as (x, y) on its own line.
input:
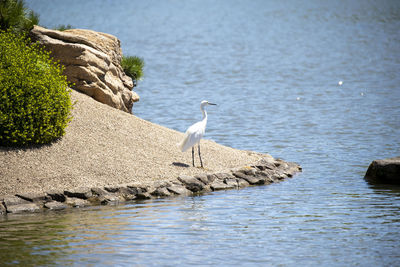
(266, 171)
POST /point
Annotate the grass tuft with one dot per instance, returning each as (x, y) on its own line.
(133, 67)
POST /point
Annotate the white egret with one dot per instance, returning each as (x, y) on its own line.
(195, 132)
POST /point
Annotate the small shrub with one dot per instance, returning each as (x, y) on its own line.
(15, 16)
(133, 67)
(35, 99)
(63, 27)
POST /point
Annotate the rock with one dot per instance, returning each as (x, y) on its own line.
(14, 200)
(77, 202)
(384, 170)
(231, 182)
(249, 171)
(219, 185)
(137, 190)
(242, 183)
(267, 175)
(33, 197)
(179, 190)
(92, 62)
(191, 183)
(279, 176)
(207, 188)
(160, 184)
(2, 209)
(121, 193)
(98, 191)
(109, 199)
(143, 195)
(161, 192)
(83, 193)
(127, 193)
(57, 196)
(223, 176)
(14, 204)
(112, 189)
(141, 192)
(202, 178)
(253, 180)
(54, 205)
(265, 163)
(222, 181)
(288, 168)
(292, 169)
(211, 177)
(280, 164)
(104, 197)
(23, 208)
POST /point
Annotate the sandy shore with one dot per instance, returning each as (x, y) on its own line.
(104, 146)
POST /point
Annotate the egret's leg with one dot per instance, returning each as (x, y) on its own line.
(201, 162)
(193, 155)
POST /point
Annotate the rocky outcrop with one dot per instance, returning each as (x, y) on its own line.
(384, 170)
(92, 62)
(266, 171)
(16, 205)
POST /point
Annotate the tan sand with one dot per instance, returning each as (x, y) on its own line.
(104, 146)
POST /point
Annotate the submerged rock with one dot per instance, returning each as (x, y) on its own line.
(92, 62)
(109, 199)
(77, 202)
(54, 205)
(384, 170)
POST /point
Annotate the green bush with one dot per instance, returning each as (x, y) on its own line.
(133, 67)
(35, 99)
(15, 16)
(63, 27)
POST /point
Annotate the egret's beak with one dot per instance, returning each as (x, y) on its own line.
(212, 104)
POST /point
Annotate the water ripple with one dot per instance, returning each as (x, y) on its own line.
(274, 69)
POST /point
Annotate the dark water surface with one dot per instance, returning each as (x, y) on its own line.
(273, 67)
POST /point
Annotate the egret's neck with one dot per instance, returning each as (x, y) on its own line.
(204, 113)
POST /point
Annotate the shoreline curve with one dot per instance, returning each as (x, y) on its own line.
(109, 156)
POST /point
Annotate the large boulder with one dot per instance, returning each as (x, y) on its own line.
(384, 170)
(92, 62)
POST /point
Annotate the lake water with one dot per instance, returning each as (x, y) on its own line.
(274, 69)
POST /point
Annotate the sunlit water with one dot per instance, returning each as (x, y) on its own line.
(274, 69)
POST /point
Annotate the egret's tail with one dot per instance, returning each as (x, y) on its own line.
(182, 144)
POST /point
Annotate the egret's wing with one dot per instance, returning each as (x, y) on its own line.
(192, 136)
(189, 141)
